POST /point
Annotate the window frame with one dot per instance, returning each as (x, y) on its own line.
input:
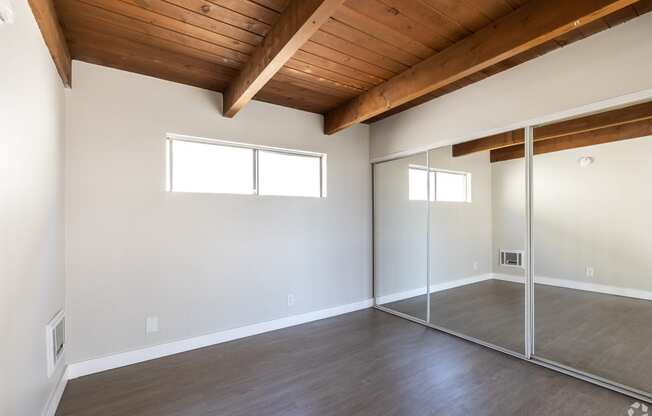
(171, 138)
(433, 183)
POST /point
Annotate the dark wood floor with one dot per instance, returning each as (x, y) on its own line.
(363, 363)
(609, 336)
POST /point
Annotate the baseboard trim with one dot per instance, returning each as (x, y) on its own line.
(110, 362)
(438, 287)
(585, 286)
(55, 397)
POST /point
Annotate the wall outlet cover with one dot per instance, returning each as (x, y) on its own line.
(590, 272)
(151, 324)
(290, 300)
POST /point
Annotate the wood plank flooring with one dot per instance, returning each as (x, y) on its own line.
(605, 335)
(363, 363)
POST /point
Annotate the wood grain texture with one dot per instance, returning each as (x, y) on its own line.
(367, 363)
(532, 25)
(300, 20)
(48, 22)
(364, 44)
(634, 130)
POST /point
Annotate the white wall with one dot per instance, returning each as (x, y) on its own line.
(31, 213)
(598, 216)
(200, 262)
(607, 65)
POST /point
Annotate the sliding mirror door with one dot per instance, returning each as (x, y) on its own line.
(400, 235)
(477, 239)
(592, 252)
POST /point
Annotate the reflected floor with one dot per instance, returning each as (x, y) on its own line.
(606, 335)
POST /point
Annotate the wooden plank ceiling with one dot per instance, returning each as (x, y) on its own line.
(363, 44)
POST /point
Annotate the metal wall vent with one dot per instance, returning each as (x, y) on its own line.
(55, 339)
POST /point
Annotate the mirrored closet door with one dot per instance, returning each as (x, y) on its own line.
(477, 237)
(592, 251)
(536, 242)
(401, 235)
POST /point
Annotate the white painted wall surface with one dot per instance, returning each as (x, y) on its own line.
(605, 66)
(31, 213)
(200, 262)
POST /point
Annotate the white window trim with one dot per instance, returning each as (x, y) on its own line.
(170, 137)
(469, 197)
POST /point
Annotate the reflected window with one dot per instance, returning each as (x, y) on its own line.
(445, 185)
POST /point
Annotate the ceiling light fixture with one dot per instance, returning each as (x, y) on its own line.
(6, 12)
(585, 161)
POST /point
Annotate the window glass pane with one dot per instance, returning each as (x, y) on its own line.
(451, 187)
(288, 174)
(202, 167)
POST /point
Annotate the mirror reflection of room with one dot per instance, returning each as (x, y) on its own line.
(477, 233)
(592, 267)
(401, 236)
(591, 247)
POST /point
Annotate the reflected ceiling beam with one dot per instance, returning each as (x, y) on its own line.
(48, 23)
(633, 130)
(298, 22)
(537, 22)
(579, 125)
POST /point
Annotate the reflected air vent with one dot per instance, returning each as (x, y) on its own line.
(511, 258)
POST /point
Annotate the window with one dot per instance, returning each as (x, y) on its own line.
(205, 166)
(445, 186)
(289, 174)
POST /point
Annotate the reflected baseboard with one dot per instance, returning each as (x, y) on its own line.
(579, 285)
(544, 280)
(437, 287)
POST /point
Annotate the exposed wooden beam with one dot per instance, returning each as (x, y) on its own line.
(46, 18)
(496, 141)
(537, 22)
(627, 131)
(578, 125)
(298, 22)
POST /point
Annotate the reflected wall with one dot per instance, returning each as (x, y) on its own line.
(592, 257)
(472, 294)
(401, 235)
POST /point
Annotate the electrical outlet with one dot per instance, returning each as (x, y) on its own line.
(290, 300)
(589, 271)
(476, 266)
(151, 324)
